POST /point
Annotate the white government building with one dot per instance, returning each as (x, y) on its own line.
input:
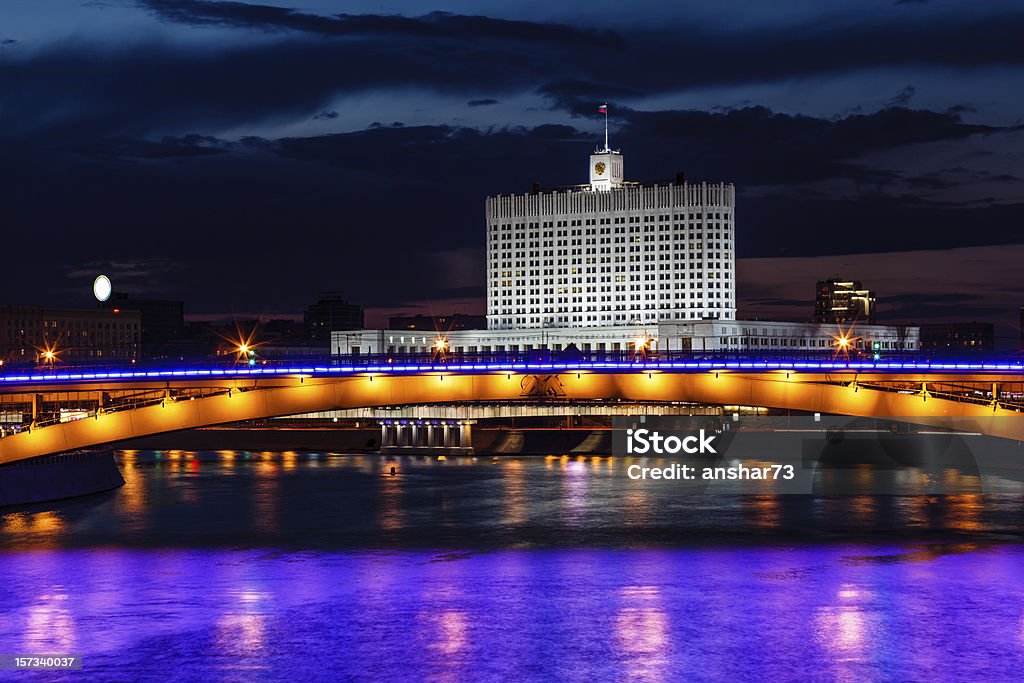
(611, 265)
(611, 253)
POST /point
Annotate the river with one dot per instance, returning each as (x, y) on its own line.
(249, 566)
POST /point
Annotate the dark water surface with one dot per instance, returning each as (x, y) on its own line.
(262, 566)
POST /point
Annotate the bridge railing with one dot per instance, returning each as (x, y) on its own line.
(537, 356)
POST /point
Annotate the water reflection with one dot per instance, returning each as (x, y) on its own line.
(287, 498)
(233, 562)
(964, 512)
(265, 506)
(241, 630)
(445, 629)
(642, 633)
(841, 631)
(50, 625)
(575, 497)
(392, 514)
(133, 493)
(46, 524)
(516, 494)
(764, 511)
(636, 501)
(796, 613)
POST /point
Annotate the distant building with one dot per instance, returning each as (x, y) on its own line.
(969, 337)
(438, 323)
(752, 336)
(843, 301)
(275, 336)
(331, 312)
(162, 321)
(72, 335)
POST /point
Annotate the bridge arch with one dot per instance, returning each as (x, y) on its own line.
(294, 395)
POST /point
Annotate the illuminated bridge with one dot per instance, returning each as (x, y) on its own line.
(60, 409)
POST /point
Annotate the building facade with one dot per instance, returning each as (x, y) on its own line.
(331, 312)
(753, 336)
(843, 301)
(437, 323)
(162, 322)
(611, 253)
(970, 337)
(78, 335)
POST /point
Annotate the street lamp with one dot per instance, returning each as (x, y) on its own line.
(640, 346)
(242, 345)
(48, 353)
(845, 342)
(440, 347)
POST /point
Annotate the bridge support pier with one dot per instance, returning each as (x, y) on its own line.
(426, 437)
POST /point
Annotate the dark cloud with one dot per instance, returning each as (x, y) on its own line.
(381, 200)
(419, 152)
(760, 303)
(950, 178)
(961, 109)
(168, 147)
(116, 149)
(904, 97)
(433, 25)
(755, 146)
(146, 87)
(926, 311)
(75, 91)
(571, 93)
(932, 181)
(870, 223)
(130, 276)
(936, 298)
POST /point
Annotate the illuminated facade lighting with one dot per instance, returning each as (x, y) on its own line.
(601, 254)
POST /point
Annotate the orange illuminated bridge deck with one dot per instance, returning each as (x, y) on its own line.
(70, 408)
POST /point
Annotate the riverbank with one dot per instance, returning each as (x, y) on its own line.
(55, 477)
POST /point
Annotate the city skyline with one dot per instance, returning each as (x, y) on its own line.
(884, 148)
(512, 341)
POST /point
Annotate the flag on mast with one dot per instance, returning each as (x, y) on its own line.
(603, 109)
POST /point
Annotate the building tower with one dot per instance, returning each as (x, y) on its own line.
(843, 301)
(611, 252)
(332, 311)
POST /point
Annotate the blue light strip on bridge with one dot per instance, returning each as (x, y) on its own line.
(522, 367)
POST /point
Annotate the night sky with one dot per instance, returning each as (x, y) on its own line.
(242, 156)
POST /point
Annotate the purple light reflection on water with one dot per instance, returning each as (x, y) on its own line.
(262, 566)
(513, 615)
